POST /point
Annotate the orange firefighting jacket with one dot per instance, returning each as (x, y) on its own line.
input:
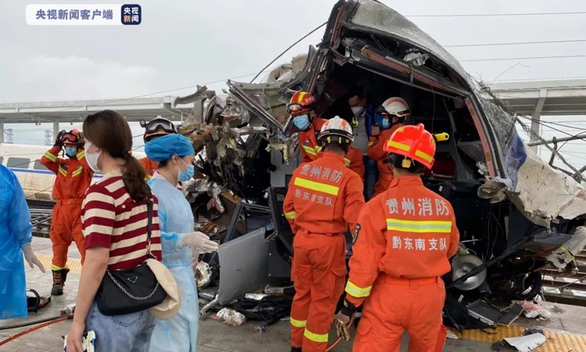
(407, 232)
(324, 196)
(311, 150)
(149, 166)
(74, 175)
(376, 146)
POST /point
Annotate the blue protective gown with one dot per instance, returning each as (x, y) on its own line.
(178, 334)
(15, 231)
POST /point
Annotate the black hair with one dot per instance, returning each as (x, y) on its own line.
(397, 161)
(110, 131)
(164, 163)
(355, 92)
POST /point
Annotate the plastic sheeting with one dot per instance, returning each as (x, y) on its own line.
(15, 230)
(176, 219)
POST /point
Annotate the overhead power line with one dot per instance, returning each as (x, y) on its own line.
(517, 43)
(524, 58)
(502, 14)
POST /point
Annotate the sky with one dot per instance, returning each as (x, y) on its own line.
(182, 43)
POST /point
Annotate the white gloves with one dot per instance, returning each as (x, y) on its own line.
(30, 257)
(198, 241)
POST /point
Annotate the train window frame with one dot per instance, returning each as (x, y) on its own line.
(39, 166)
(19, 164)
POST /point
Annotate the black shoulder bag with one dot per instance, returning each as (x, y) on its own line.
(133, 290)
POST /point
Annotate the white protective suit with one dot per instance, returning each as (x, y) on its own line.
(179, 334)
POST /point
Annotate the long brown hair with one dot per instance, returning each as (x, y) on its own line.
(110, 131)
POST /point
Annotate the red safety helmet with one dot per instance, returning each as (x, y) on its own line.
(413, 142)
(159, 126)
(301, 102)
(72, 137)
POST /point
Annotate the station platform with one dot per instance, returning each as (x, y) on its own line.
(566, 330)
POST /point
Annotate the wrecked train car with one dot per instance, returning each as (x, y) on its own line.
(516, 215)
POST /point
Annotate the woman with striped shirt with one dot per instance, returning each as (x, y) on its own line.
(114, 220)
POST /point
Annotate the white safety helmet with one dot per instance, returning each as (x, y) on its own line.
(336, 127)
(395, 106)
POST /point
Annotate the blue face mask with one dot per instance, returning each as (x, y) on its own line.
(385, 123)
(69, 151)
(186, 176)
(301, 122)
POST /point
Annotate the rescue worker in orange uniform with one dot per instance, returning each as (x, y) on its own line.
(301, 107)
(157, 127)
(394, 111)
(73, 178)
(323, 199)
(402, 245)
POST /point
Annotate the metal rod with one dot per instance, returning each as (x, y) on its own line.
(563, 139)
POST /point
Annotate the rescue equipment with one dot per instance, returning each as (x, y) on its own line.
(336, 127)
(159, 126)
(300, 103)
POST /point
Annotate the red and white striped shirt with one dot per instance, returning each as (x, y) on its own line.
(111, 219)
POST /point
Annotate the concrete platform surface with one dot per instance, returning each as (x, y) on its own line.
(217, 337)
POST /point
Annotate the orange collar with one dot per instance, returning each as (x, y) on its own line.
(409, 180)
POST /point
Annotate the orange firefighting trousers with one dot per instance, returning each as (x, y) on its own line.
(396, 305)
(319, 274)
(65, 226)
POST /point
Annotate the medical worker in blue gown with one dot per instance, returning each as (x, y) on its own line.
(15, 240)
(180, 242)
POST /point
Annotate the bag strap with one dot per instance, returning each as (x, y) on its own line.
(149, 226)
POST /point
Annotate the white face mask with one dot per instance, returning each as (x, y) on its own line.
(92, 158)
(357, 110)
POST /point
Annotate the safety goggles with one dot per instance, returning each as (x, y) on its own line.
(160, 126)
(298, 109)
(381, 110)
(70, 139)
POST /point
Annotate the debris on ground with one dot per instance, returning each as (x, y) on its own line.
(534, 310)
(230, 317)
(526, 343)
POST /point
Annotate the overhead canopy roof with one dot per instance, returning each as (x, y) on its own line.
(134, 109)
(564, 97)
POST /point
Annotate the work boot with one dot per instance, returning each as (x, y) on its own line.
(296, 349)
(59, 277)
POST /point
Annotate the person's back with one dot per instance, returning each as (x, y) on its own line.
(322, 193)
(419, 226)
(406, 236)
(323, 199)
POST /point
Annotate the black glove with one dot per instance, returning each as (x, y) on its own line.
(59, 139)
(343, 320)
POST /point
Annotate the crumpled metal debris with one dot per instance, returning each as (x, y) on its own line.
(195, 187)
(255, 296)
(231, 317)
(203, 275)
(534, 310)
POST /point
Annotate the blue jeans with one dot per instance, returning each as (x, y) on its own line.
(128, 332)
(370, 176)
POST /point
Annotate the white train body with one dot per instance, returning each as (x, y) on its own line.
(35, 179)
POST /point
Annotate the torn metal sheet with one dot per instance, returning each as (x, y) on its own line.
(243, 265)
(526, 343)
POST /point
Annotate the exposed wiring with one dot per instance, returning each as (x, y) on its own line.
(501, 14)
(289, 48)
(515, 43)
(524, 58)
